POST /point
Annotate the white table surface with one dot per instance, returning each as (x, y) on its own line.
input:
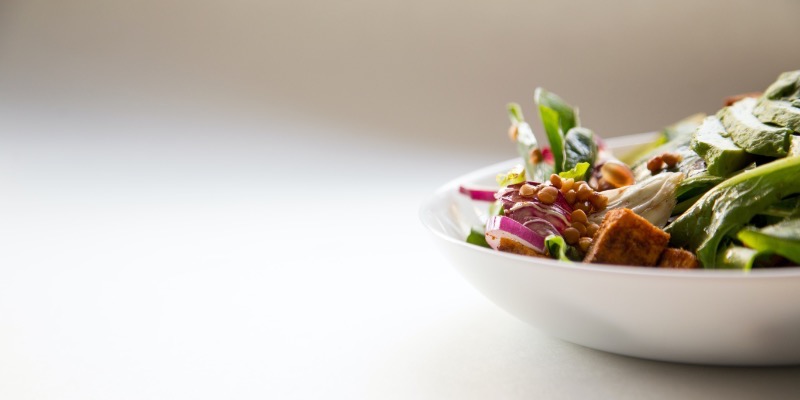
(200, 200)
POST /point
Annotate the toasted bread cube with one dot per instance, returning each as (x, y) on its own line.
(625, 238)
(678, 258)
(511, 246)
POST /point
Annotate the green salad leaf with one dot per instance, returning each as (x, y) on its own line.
(512, 177)
(737, 257)
(778, 112)
(787, 87)
(478, 238)
(556, 247)
(557, 117)
(577, 173)
(784, 209)
(722, 156)
(730, 206)
(579, 148)
(782, 238)
(697, 185)
(752, 135)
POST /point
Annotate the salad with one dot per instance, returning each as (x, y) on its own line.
(712, 191)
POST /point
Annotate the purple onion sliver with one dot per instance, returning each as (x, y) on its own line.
(501, 227)
(542, 227)
(479, 194)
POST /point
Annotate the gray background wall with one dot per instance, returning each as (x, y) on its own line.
(430, 73)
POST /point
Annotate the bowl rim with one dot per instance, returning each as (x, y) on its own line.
(426, 215)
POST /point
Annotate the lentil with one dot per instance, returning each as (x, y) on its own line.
(571, 235)
(584, 243)
(579, 216)
(571, 196)
(599, 201)
(547, 195)
(580, 227)
(567, 184)
(584, 191)
(527, 190)
(592, 229)
(555, 180)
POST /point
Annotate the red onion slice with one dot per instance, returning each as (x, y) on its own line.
(526, 211)
(481, 194)
(500, 227)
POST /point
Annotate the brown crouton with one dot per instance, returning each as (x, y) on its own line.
(627, 239)
(511, 246)
(678, 258)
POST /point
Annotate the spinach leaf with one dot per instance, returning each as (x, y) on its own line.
(478, 238)
(784, 209)
(787, 87)
(752, 135)
(696, 185)
(557, 117)
(579, 147)
(782, 238)
(781, 113)
(722, 156)
(576, 173)
(731, 204)
(738, 257)
(556, 247)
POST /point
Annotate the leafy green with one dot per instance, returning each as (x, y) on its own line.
(782, 238)
(556, 247)
(579, 147)
(730, 205)
(514, 176)
(787, 87)
(577, 173)
(683, 205)
(778, 112)
(557, 117)
(696, 185)
(784, 209)
(692, 189)
(537, 170)
(752, 135)
(477, 237)
(721, 154)
(737, 257)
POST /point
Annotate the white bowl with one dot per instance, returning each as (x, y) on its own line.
(718, 317)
